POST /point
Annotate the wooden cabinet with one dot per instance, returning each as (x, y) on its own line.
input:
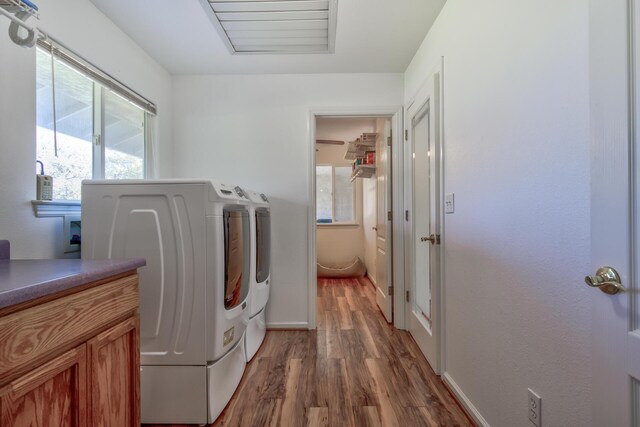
(52, 395)
(114, 368)
(73, 360)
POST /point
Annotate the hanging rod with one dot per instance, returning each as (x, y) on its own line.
(21, 5)
(18, 11)
(17, 20)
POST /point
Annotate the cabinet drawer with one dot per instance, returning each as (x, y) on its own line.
(34, 335)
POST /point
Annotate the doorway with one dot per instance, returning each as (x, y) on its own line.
(424, 217)
(354, 193)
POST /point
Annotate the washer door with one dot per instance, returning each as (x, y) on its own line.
(263, 244)
(237, 249)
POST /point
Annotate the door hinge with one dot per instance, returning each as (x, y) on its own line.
(390, 290)
(407, 296)
(406, 134)
(389, 216)
(406, 216)
(97, 139)
(389, 141)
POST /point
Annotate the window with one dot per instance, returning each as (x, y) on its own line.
(335, 195)
(92, 132)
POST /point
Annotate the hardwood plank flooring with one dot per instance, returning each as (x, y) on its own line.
(354, 370)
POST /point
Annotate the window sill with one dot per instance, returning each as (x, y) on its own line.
(338, 225)
(54, 208)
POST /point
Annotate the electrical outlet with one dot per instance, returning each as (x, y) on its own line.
(535, 408)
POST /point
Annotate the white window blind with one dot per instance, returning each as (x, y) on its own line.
(64, 54)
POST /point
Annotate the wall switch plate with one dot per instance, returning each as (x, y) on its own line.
(449, 203)
(535, 408)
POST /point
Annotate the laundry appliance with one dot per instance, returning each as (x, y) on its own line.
(195, 236)
(260, 271)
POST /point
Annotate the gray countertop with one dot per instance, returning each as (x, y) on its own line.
(25, 280)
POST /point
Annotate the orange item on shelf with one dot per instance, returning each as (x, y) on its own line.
(371, 157)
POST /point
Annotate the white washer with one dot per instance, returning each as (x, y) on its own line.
(196, 238)
(260, 271)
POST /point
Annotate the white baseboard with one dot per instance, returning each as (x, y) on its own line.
(471, 409)
(370, 277)
(287, 325)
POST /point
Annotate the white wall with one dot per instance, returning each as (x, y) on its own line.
(29, 236)
(252, 131)
(340, 243)
(82, 28)
(517, 158)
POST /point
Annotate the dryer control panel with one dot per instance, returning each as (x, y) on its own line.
(227, 192)
(257, 198)
(240, 192)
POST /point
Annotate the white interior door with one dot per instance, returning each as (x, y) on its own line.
(614, 52)
(384, 294)
(423, 237)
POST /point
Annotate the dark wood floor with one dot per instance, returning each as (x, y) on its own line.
(354, 370)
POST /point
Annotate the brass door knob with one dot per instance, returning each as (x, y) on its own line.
(434, 239)
(607, 280)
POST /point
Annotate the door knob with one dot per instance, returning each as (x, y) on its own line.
(434, 239)
(607, 280)
(374, 228)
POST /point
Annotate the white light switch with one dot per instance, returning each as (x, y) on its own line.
(449, 205)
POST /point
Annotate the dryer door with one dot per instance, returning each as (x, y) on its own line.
(263, 244)
(237, 252)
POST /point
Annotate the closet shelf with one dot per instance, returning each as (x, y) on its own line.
(363, 152)
(15, 6)
(363, 171)
(358, 148)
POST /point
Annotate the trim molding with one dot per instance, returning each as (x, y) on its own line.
(371, 278)
(53, 208)
(394, 113)
(464, 400)
(633, 150)
(288, 325)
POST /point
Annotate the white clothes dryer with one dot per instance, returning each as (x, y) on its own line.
(196, 238)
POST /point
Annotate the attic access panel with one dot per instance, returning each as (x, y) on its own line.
(275, 27)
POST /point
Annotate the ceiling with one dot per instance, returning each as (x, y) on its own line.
(281, 26)
(373, 36)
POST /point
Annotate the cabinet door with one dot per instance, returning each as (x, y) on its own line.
(51, 395)
(114, 376)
